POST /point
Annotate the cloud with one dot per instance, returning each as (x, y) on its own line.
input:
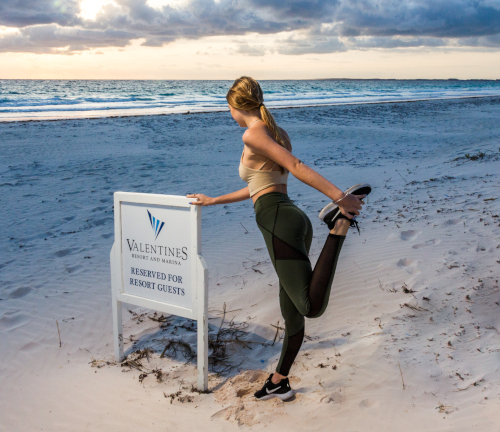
(245, 48)
(297, 10)
(433, 18)
(23, 13)
(483, 41)
(394, 42)
(314, 26)
(310, 45)
(52, 39)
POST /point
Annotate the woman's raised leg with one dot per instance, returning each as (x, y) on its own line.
(308, 289)
(322, 277)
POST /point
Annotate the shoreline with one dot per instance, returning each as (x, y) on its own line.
(124, 114)
(267, 79)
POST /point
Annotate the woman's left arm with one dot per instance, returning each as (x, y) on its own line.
(261, 143)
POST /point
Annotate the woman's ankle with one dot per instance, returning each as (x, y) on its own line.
(277, 376)
(341, 227)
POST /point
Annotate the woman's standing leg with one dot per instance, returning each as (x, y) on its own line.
(299, 232)
(294, 333)
(294, 319)
(319, 294)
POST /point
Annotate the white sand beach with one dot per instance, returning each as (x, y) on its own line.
(411, 336)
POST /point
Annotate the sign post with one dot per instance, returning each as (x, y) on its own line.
(156, 263)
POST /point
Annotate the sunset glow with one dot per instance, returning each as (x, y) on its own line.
(181, 39)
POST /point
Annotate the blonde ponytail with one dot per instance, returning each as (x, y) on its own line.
(245, 94)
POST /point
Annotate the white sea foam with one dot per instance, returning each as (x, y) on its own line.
(43, 99)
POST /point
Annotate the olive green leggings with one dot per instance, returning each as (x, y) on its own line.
(302, 292)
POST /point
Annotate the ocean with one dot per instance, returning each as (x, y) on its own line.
(48, 99)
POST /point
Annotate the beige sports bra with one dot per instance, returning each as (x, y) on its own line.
(259, 179)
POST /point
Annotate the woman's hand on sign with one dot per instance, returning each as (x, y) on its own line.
(202, 200)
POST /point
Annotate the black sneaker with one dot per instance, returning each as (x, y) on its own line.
(281, 390)
(331, 212)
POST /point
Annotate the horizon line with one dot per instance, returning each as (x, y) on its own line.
(267, 79)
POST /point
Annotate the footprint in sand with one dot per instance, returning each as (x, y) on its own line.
(325, 399)
(12, 320)
(74, 269)
(410, 235)
(453, 221)
(427, 243)
(407, 262)
(20, 292)
(243, 392)
(409, 265)
(64, 252)
(336, 397)
(31, 347)
(100, 208)
(369, 403)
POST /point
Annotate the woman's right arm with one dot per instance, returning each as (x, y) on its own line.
(236, 196)
(261, 143)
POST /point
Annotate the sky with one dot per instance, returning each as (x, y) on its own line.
(266, 39)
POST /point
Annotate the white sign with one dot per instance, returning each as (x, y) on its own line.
(157, 260)
(156, 263)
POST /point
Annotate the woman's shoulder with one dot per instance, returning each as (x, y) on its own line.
(253, 134)
(283, 132)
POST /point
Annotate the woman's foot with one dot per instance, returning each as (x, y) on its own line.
(331, 212)
(280, 390)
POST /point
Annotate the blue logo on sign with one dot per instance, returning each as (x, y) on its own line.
(156, 224)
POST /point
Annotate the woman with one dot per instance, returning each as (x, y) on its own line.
(286, 229)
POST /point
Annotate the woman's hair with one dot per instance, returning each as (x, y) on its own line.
(245, 94)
